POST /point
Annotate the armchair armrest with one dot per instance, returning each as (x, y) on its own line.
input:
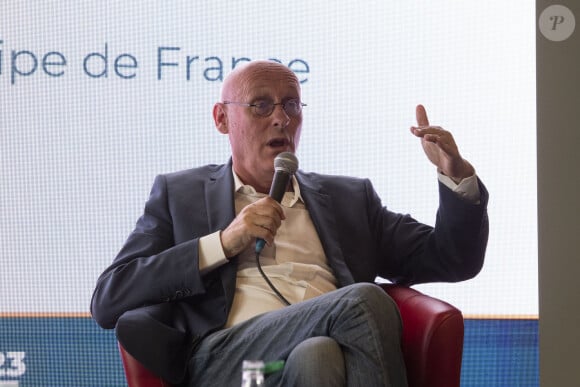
(136, 374)
(432, 337)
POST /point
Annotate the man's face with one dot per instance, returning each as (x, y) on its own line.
(256, 140)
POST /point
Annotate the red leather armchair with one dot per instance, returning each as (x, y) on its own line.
(432, 342)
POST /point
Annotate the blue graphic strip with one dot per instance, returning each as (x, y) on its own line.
(75, 352)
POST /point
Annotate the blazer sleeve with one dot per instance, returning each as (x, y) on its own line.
(453, 250)
(150, 268)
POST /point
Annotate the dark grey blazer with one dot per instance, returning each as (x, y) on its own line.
(161, 305)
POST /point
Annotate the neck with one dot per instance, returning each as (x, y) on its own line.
(260, 185)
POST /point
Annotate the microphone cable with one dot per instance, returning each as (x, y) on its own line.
(270, 284)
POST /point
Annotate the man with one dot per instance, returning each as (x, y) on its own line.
(184, 294)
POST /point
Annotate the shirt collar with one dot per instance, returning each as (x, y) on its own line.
(239, 186)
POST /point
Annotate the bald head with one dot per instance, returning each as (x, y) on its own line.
(256, 139)
(238, 84)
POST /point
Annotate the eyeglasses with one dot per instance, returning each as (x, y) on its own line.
(292, 107)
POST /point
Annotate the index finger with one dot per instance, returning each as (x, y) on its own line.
(421, 114)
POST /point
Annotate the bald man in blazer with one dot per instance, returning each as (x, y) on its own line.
(163, 303)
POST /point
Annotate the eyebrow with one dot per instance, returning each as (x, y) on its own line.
(261, 97)
(268, 98)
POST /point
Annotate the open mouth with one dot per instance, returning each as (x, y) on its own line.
(278, 142)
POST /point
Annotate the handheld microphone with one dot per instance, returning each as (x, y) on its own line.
(285, 165)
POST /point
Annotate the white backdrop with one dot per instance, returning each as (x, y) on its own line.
(96, 98)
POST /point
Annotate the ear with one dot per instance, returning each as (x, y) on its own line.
(220, 118)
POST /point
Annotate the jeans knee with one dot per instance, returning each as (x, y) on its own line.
(316, 361)
(379, 304)
(373, 295)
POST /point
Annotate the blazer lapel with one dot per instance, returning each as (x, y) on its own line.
(219, 198)
(320, 208)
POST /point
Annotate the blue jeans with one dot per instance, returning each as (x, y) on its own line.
(364, 347)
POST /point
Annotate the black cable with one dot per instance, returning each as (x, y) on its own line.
(280, 296)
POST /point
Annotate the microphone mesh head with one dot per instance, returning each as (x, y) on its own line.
(286, 162)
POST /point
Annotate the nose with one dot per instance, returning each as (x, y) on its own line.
(280, 117)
